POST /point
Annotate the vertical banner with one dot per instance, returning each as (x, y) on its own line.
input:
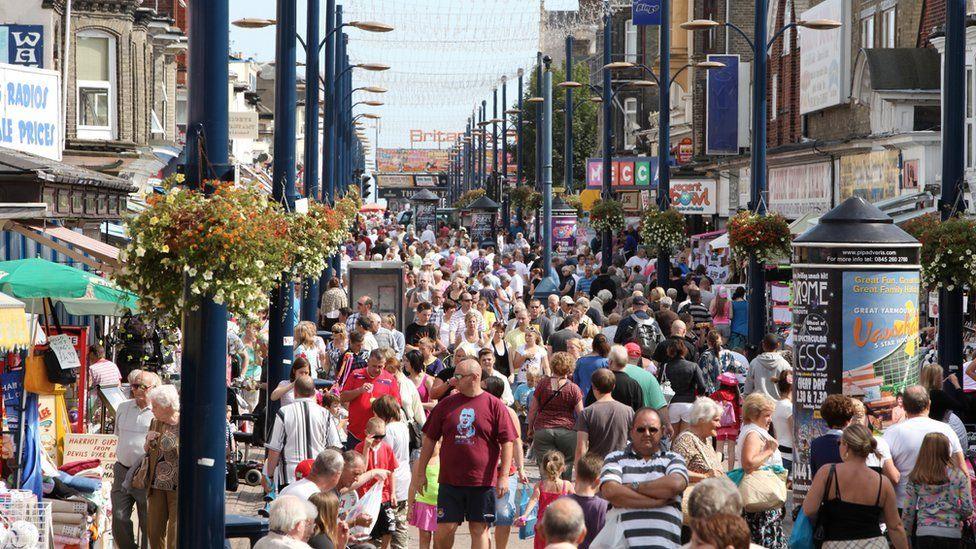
(426, 215)
(482, 226)
(564, 233)
(646, 12)
(722, 89)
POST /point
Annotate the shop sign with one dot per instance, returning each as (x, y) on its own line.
(22, 45)
(412, 160)
(646, 12)
(909, 175)
(433, 136)
(694, 196)
(872, 176)
(242, 125)
(625, 173)
(84, 446)
(394, 180)
(408, 193)
(30, 111)
(631, 201)
(796, 190)
(825, 57)
(686, 149)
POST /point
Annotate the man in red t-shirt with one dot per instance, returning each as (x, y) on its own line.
(476, 430)
(362, 387)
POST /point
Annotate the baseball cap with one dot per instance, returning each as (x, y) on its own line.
(567, 300)
(633, 350)
(640, 300)
(728, 378)
(304, 469)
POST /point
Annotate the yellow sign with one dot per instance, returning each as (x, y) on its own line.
(588, 197)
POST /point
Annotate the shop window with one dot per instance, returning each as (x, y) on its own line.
(774, 103)
(630, 123)
(96, 83)
(630, 45)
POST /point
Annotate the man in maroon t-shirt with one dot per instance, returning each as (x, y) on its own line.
(476, 434)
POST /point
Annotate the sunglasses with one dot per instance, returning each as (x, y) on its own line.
(141, 386)
(380, 436)
(646, 430)
(462, 376)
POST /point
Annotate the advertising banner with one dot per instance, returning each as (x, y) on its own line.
(633, 172)
(22, 45)
(646, 12)
(796, 190)
(482, 226)
(242, 125)
(564, 233)
(426, 213)
(30, 111)
(412, 160)
(694, 196)
(825, 57)
(394, 180)
(873, 176)
(722, 87)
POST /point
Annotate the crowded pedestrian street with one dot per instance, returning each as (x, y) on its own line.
(487, 274)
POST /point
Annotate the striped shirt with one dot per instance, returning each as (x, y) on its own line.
(301, 430)
(658, 527)
(104, 373)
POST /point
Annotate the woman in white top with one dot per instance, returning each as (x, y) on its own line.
(756, 448)
(472, 340)
(783, 419)
(310, 346)
(286, 389)
(529, 355)
(398, 437)
(880, 460)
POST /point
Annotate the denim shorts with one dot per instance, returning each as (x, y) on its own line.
(506, 509)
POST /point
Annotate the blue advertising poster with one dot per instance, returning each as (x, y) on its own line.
(880, 342)
(646, 12)
(22, 45)
(13, 386)
(722, 131)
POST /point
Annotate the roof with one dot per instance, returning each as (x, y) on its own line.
(903, 68)
(19, 164)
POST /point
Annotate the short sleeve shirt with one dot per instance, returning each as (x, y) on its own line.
(359, 407)
(554, 410)
(471, 431)
(380, 457)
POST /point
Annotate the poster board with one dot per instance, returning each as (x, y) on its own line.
(82, 446)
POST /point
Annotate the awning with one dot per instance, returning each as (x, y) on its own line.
(720, 242)
(806, 221)
(97, 255)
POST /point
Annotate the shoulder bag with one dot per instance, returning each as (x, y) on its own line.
(762, 490)
(143, 473)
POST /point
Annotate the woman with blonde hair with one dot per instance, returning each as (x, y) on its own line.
(947, 402)
(329, 531)
(531, 354)
(937, 498)
(310, 346)
(852, 499)
(756, 448)
(334, 349)
(471, 339)
(880, 461)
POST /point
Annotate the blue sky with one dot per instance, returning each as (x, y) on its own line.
(446, 55)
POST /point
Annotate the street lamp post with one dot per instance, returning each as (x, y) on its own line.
(606, 249)
(568, 121)
(953, 171)
(310, 286)
(664, 140)
(538, 141)
(518, 145)
(203, 393)
(495, 189)
(503, 183)
(759, 46)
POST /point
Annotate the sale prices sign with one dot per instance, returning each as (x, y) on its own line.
(694, 196)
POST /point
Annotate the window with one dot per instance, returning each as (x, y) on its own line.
(630, 46)
(96, 85)
(788, 35)
(969, 117)
(774, 103)
(867, 32)
(888, 28)
(630, 123)
(710, 37)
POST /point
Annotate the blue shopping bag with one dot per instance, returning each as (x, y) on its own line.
(527, 530)
(802, 535)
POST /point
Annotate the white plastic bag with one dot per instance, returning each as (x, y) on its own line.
(612, 534)
(369, 505)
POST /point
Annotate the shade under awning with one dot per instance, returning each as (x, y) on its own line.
(96, 254)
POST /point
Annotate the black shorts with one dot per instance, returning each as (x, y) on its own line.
(456, 504)
(385, 521)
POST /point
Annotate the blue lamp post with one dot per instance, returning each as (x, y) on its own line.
(550, 284)
(759, 46)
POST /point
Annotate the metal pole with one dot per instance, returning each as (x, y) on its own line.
(568, 122)
(953, 171)
(203, 393)
(310, 286)
(518, 145)
(281, 328)
(503, 189)
(757, 277)
(546, 132)
(664, 139)
(538, 142)
(496, 190)
(606, 253)
(328, 152)
(483, 161)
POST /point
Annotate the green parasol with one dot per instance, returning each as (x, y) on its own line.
(81, 293)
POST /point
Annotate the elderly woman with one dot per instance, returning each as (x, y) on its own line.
(694, 443)
(162, 459)
(756, 448)
(554, 405)
(291, 523)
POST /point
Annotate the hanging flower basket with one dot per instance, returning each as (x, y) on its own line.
(607, 215)
(767, 236)
(663, 230)
(467, 198)
(525, 197)
(948, 252)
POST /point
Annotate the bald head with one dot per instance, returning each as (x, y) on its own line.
(563, 522)
(679, 328)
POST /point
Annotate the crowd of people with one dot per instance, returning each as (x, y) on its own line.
(648, 418)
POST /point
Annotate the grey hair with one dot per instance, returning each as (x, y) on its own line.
(618, 355)
(329, 462)
(704, 409)
(165, 396)
(666, 302)
(134, 376)
(287, 512)
(712, 496)
(563, 521)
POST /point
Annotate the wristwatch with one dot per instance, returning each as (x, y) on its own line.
(634, 485)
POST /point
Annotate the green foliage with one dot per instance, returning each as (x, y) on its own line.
(584, 126)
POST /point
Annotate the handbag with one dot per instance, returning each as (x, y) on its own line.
(416, 435)
(611, 536)
(818, 533)
(36, 380)
(666, 389)
(526, 530)
(762, 490)
(144, 470)
(802, 535)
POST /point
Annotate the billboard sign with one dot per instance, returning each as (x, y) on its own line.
(796, 190)
(694, 196)
(30, 111)
(825, 57)
(412, 160)
(873, 176)
(646, 12)
(722, 88)
(634, 172)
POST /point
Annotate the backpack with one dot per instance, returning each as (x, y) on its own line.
(647, 334)
(728, 418)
